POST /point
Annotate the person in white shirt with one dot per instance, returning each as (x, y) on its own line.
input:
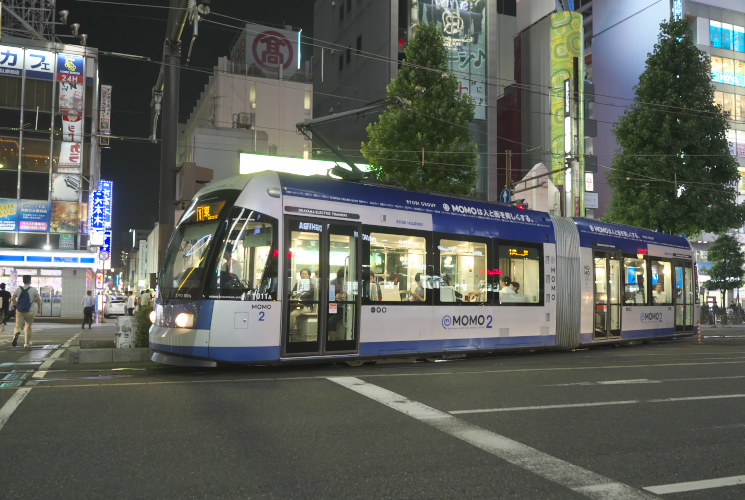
(145, 299)
(89, 305)
(658, 295)
(505, 281)
(130, 303)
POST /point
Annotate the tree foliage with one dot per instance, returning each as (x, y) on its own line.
(674, 172)
(728, 265)
(434, 123)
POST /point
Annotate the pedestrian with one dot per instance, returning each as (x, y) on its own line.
(145, 299)
(23, 299)
(130, 303)
(5, 309)
(89, 305)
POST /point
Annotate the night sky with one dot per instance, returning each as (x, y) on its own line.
(134, 27)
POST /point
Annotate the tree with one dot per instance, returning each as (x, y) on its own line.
(674, 172)
(427, 143)
(728, 269)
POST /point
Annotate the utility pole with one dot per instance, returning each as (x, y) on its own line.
(165, 101)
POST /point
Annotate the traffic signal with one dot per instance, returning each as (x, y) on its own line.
(521, 204)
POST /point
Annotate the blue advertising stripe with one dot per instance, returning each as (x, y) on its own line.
(454, 345)
(34, 258)
(629, 239)
(11, 258)
(450, 215)
(245, 354)
(86, 260)
(184, 350)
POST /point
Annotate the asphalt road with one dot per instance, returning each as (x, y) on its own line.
(663, 419)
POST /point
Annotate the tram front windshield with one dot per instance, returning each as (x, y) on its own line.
(221, 251)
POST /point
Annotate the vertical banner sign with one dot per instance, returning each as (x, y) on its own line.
(566, 44)
(71, 97)
(462, 27)
(107, 187)
(70, 158)
(70, 68)
(72, 127)
(97, 219)
(105, 125)
(65, 187)
(273, 50)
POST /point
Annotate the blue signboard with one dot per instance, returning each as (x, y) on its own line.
(738, 39)
(39, 64)
(70, 68)
(11, 60)
(107, 242)
(34, 215)
(107, 187)
(715, 34)
(8, 214)
(97, 211)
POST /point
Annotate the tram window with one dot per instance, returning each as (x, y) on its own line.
(661, 275)
(520, 264)
(395, 260)
(463, 269)
(635, 291)
(186, 261)
(247, 258)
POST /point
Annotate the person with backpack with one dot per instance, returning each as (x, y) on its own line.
(23, 299)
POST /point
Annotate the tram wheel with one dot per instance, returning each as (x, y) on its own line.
(356, 362)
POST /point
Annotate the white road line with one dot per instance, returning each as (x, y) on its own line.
(570, 476)
(661, 381)
(634, 381)
(544, 407)
(600, 403)
(696, 485)
(10, 406)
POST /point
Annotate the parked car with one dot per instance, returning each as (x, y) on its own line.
(116, 305)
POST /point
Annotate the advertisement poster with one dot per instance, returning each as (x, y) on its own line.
(70, 68)
(70, 96)
(65, 217)
(72, 127)
(33, 215)
(8, 214)
(464, 34)
(70, 158)
(67, 242)
(65, 187)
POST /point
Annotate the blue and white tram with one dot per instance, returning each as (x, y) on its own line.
(272, 268)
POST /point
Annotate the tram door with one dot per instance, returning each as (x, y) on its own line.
(684, 296)
(607, 295)
(321, 287)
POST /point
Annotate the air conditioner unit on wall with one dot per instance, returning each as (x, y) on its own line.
(244, 120)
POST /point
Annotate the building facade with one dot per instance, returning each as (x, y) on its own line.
(49, 164)
(251, 104)
(360, 44)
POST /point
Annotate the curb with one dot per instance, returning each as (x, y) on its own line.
(75, 355)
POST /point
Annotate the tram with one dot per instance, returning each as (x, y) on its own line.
(274, 268)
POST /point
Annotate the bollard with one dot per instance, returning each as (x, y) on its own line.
(699, 341)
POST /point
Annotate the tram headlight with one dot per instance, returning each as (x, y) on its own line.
(184, 320)
(153, 316)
